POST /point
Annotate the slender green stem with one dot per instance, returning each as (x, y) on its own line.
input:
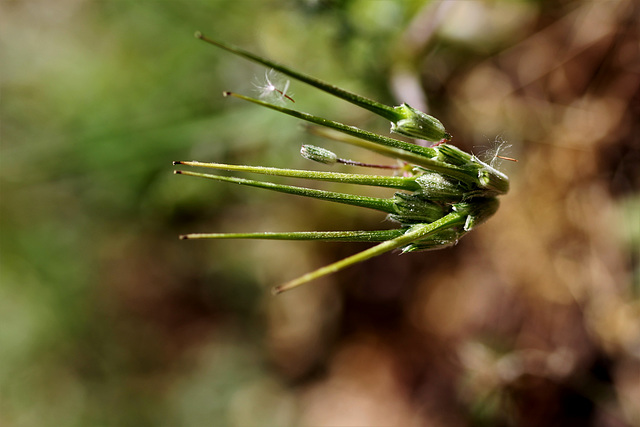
(322, 236)
(398, 182)
(416, 154)
(369, 104)
(384, 205)
(423, 152)
(416, 232)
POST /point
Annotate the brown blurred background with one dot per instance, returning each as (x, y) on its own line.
(106, 318)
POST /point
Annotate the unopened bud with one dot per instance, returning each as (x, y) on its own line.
(439, 240)
(479, 173)
(416, 124)
(318, 154)
(438, 187)
(477, 211)
(414, 208)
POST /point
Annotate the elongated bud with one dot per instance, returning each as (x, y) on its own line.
(439, 240)
(318, 154)
(415, 208)
(416, 124)
(437, 187)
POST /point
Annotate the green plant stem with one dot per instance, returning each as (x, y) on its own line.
(369, 104)
(414, 233)
(322, 236)
(384, 205)
(397, 182)
(425, 153)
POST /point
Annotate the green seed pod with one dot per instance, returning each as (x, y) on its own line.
(416, 124)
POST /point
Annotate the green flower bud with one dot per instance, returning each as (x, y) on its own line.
(439, 240)
(318, 154)
(478, 210)
(414, 208)
(416, 124)
(480, 174)
(439, 187)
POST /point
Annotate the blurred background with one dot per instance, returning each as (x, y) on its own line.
(107, 319)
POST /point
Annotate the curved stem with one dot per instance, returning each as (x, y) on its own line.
(414, 233)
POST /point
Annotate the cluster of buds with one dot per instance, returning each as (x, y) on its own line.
(444, 192)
